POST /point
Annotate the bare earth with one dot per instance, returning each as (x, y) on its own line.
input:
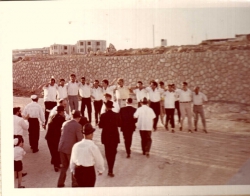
(176, 159)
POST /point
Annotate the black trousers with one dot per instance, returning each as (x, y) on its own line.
(85, 176)
(86, 102)
(146, 140)
(97, 107)
(48, 105)
(34, 133)
(110, 153)
(128, 140)
(157, 108)
(170, 116)
(177, 107)
(53, 148)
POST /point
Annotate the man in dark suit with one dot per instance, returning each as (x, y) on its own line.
(71, 133)
(128, 124)
(109, 122)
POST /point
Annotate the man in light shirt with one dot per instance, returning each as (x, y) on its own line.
(198, 99)
(169, 105)
(140, 92)
(73, 87)
(35, 112)
(62, 102)
(62, 93)
(162, 109)
(145, 120)
(85, 157)
(85, 93)
(121, 93)
(116, 107)
(185, 96)
(108, 88)
(20, 123)
(97, 95)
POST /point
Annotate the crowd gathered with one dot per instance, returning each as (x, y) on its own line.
(69, 132)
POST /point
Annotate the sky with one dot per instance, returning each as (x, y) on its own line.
(125, 24)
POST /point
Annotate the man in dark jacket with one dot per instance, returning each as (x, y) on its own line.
(128, 124)
(109, 122)
(53, 136)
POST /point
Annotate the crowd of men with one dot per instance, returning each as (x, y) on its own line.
(69, 133)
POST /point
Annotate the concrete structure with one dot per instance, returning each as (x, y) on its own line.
(31, 51)
(62, 49)
(85, 46)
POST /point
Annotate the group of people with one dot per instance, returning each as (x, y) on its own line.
(69, 133)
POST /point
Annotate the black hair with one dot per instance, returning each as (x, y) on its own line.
(16, 109)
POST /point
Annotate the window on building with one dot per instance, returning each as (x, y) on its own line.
(81, 50)
(81, 43)
(89, 43)
(98, 43)
(65, 47)
(55, 47)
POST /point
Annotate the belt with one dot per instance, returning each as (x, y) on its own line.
(185, 101)
(197, 105)
(77, 166)
(98, 100)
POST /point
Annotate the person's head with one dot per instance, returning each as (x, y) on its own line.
(60, 110)
(105, 83)
(34, 98)
(63, 103)
(173, 85)
(83, 80)
(76, 115)
(139, 84)
(153, 84)
(96, 83)
(88, 131)
(197, 89)
(17, 111)
(161, 84)
(62, 82)
(109, 105)
(144, 101)
(72, 77)
(107, 96)
(120, 82)
(18, 142)
(170, 87)
(184, 86)
(52, 81)
(129, 101)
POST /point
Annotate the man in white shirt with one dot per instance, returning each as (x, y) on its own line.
(185, 96)
(198, 99)
(121, 93)
(85, 93)
(85, 157)
(108, 88)
(62, 93)
(73, 87)
(62, 102)
(155, 98)
(169, 105)
(145, 117)
(35, 112)
(140, 92)
(162, 109)
(116, 107)
(97, 95)
(20, 123)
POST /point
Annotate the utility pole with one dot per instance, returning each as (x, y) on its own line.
(153, 37)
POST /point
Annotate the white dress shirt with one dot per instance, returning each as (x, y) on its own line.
(140, 94)
(86, 153)
(20, 125)
(109, 90)
(169, 99)
(97, 93)
(198, 99)
(145, 117)
(62, 92)
(34, 110)
(154, 95)
(72, 88)
(185, 96)
(50, 92)
(85, 90)
(18, 153)
(54, 111)
(115, 109)
(177, 91)
(122, 92)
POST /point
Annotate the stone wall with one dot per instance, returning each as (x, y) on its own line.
(221, 75)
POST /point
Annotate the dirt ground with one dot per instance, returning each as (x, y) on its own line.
(176, 159)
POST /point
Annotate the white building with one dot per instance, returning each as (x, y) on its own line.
(85, 46)
(62, 49)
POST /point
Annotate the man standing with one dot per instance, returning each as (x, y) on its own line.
(71, 133)
(35, 112)
(97, 95)
(86, 155)
(198, 99)
(62, 93)
(162, 109)
(106, 88)
(185, 96)
(116, 107)
(62, 102)
(128, 124)
(73, 88)
(121, 93)
(145, 117)
(20, 124)
(140, 93)
(177, 103)
(109, 122)
(85, 93)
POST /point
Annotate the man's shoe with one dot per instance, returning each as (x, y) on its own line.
(56, 169)
(147, 155)
(195, 129)
(21, 187)
(143, 153)
(190, 131)
(172, 131)
(205, 130)
(166, 127)
(128, 156)
(24, 174)
(180, 128)
(61, 185)
(34, 151)
(111, 174)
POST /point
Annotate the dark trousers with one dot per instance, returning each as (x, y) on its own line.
(53, 148)
(65, 159)
(146, 140)
(128, 140)
(177, 107)
(86, 102)
(97, 107)
(48, 105)
(85, 176)
(34, 132)
(156, 107)
(170, 116)
(110, 153)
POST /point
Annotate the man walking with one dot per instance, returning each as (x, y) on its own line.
(128, 124)
(85, 156)
(73, 87)
(35, 112)
(109, 122)
(20, 123)
(97, 95)
(71, 133)
(140, 93)
(121, 93)
(145, 117)
(198, 99)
